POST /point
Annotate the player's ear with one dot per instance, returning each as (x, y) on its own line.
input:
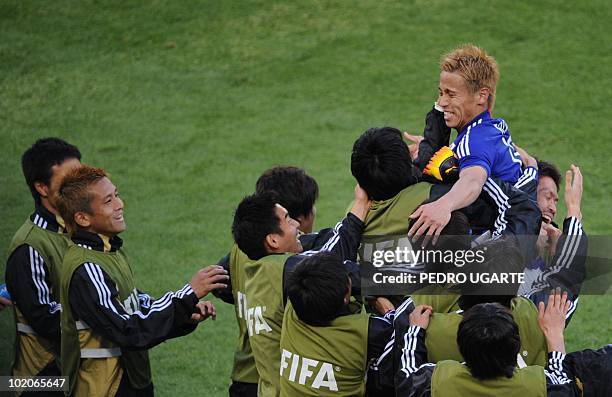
(82, 219)
(483, 96)
(42, 189)
(272, 241)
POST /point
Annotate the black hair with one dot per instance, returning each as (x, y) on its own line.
(500, 256)
(455, 235)
(254, 219)
(550, 170)
(466, 302)
(489, 341)
(317, 287)
(37, 161)
(381, 163)
(296, 190)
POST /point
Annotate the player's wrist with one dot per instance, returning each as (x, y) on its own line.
(573, 211)
(555, 341)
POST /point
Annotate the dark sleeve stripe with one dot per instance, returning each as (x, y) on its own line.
(568, 253)
(501, 200)
(387, 350)
(390, 317)
(529, 174)
(572, 309)
(554, 371)
(39, 221)
(408, 359)
(165, 301)
(145, 300)
(331, 242)
(104, 295)
(401, 308)
(38, 276)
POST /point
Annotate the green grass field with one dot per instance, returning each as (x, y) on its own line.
(186, 103)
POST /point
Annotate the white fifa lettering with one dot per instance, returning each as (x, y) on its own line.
(305, 372)
(325, 378)
(324, 375)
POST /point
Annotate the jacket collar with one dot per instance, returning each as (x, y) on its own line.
(97, 242)
(44, 219)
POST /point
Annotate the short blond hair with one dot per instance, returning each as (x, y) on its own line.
(478, 69)
(74, 193)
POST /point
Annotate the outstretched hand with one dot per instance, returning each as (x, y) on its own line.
(551, 319)
(573, 191)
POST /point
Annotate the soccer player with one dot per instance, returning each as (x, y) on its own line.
(468, 80)
(107, 324)
(297, 192)
(34, 257)
(266, 233)
(328, 339)
(489, 340)
(562, 255)
(381, 164)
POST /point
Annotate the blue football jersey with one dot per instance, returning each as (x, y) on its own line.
(486, 142)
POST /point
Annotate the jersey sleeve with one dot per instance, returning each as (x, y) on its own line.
(567, 270)
(479, 152)
(414, 373)
(94, 299)
(382, 344)
(343, 239)
(559, 377)
(528, 182)
(28, 283)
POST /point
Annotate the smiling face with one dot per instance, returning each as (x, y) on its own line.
(106, 215)
(547, 198)
(460, 106)
(287, 241)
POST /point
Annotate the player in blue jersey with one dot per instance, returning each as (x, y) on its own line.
(468, 79)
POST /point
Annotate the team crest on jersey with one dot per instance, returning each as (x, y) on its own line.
(502, 126)
(308, 372)
(130, 304)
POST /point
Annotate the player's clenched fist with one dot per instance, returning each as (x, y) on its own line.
(208, 279)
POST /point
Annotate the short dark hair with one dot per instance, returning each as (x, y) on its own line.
(317, 287)
(501, 256)
(37, 161)
(254, 219)
(550, 170)
(466, 302)
(381, 163)
(489, 341)
(74, 193)
(296, 190)
(454, 236)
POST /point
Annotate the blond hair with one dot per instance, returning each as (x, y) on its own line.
(74, 194)
(475, 66)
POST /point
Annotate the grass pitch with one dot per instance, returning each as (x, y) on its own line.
(187, 103)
